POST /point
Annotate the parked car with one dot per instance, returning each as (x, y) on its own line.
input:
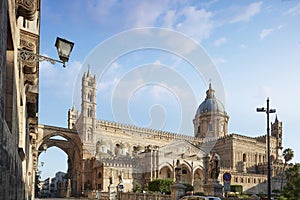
(199, 198)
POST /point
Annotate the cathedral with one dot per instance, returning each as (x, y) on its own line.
(114, 153)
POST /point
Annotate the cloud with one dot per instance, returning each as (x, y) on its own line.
(294, 10)
(128, 14)
(219, 61)
(195, 23)
(220, 41)
(266, 91)
(243, 46)
(169, 19)
(51, 75)
(246, 13)
(264, 33)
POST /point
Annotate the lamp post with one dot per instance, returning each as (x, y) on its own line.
(64, 48)
(268, 111)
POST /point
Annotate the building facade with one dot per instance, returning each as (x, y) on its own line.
(115, 153)
(20, 28)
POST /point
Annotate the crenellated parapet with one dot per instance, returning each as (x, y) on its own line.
(119, 162)
(144, 132)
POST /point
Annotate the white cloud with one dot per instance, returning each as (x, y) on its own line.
(266, 91)
(196, 23)
(169, 19)
(220, 41)
(264, 33)
(246, 13)
(219, 61)
(294, 10)
(243, 46)
(51, 75)
(157, 62)
(105, 85)
(280, 26)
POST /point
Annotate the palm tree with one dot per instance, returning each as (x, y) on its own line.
(288, 154)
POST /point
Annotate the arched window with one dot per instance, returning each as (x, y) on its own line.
(244, 157)
(198, 129)
(99, 175)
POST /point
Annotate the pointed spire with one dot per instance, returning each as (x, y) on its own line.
(276, 119)
(89, 71)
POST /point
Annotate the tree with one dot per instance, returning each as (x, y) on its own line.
(288, 155)
(160, 185)
(291, 190)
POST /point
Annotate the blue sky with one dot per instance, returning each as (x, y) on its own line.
(254, 45)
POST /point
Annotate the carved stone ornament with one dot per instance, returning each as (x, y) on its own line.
(28, 45)
(26, 9)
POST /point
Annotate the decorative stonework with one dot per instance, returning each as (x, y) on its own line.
(29, 42)
(26, 9)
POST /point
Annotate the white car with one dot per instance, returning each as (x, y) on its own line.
(199, 198)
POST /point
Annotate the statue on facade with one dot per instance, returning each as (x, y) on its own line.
(214, 166)
(178, 172)
(120, 177)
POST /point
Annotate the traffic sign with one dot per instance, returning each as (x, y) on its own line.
(226, 186)
(226, 176)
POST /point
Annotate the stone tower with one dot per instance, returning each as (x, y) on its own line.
(88, 107)
(276, 131)
(72, 117)
(211, 120)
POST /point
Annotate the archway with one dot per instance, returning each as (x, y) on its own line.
(71, 145)
(198, 180)
(52, 170)
(166, 173)
(186, 174)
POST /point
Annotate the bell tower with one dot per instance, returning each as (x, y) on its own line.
(88, 107)
(276, 131)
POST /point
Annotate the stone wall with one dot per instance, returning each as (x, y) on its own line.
(11, 185)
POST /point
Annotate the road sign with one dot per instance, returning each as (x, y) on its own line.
(226, 177)
(226, 186)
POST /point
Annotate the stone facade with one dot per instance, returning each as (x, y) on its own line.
(19, 25)
(113, 152)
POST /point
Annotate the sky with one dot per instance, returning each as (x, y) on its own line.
(248, 50)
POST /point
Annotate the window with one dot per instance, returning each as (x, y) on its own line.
(103, 149)
(99, 175)
(244, 157)
(210, 127)
(198, 129)
(169, 174)
(184, 171)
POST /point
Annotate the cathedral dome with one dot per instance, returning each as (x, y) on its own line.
(210, 104)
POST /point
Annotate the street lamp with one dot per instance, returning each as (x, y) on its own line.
(268, 111)
(64, 48)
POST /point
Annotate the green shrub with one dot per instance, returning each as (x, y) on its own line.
(236, 188)
(189, 187)
(161, 185)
